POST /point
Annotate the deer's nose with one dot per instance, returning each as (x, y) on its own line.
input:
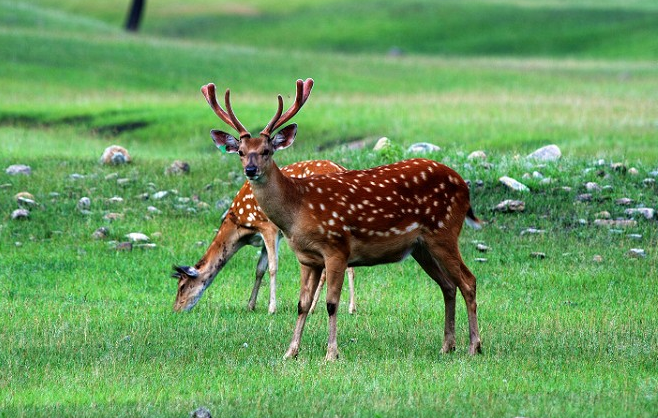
(250, 171)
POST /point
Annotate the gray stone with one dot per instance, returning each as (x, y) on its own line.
(482, 248)
(615, 222)
(624, 201)
(20, 214)
(84, 203)
(532, 231)
(15, 169)
(510, 206)
(592, 186)
(547, 153)
(636, 253)
(513, 184)
(423, 147)
(477, 155)
(137, 237)
(201, 412)
(646, 212)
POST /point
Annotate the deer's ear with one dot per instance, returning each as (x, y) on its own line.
(285, 137)
(225, 141)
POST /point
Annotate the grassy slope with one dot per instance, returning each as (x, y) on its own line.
(89, 331)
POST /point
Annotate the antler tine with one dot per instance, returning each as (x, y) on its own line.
(209, 93)
(303, 91)
(267, 131)
(236, 123)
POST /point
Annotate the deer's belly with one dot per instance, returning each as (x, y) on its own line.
(388, 251)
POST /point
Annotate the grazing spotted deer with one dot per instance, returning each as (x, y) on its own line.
(357, 218)
(244, 224)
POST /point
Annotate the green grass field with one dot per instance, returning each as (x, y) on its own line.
(89, 331)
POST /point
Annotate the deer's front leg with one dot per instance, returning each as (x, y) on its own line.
(335, 270)
(309, 282)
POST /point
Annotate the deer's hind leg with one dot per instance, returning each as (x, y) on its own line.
(449, 290)
(261, 266)
(448, 257)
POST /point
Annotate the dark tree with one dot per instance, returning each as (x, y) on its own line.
(135, 15)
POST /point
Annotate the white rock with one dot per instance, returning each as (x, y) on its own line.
(116, 199)
(513, 184)
(624, 201)
(160, 195)
(532, 231)
(592, 186)
(477, 155)
(382, 143)
(615, 222)
(153, 209)
(423, 147)
(15, 169)
(84, 203)
(636, 253)
(547, 153)
(20, 214)
(646, 212)
(137, 236)
(482, 248)
(510, 205)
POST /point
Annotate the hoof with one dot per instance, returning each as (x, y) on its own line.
(291, 353)
(475, 349)
(332, 354)
(448, 348)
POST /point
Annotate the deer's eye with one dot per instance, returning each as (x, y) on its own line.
(241, 154)
(266, 153)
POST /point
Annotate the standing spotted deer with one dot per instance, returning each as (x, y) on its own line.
(244, 224)
(357, 218)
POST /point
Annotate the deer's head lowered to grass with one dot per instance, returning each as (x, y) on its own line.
(360, 217)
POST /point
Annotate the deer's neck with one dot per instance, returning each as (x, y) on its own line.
(278, 196)
(226, 243)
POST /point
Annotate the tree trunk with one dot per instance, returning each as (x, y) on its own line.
(135, 15)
